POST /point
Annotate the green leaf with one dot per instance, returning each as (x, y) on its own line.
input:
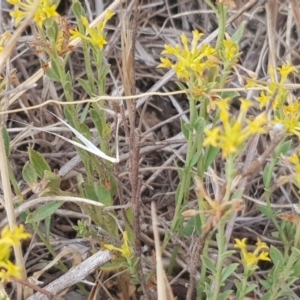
(97, 121)
(185, 127)
(85, 131)
(111, 266)
(238, 285)
(195, 158)
(52, 75)
(103, 194)
(54, 180)
(211, 153)
(210, 86)
(266, 284)
(276, 257)
(199, 125)
(209, 263)
(51, 30)
(55, 70)
(38, 162)
(43, 212)
(228, 253)
(250, 287)
(227, 271)
(193, 224)
(47, 223)
(77, 9)
(267, 296)
(283, 148)
(68, 87)
(266, 175)
(90, 192)
(267, 211)
(225, 295)
(230, 94)
(86, 86)
(236, 37)
(69, 111)
(6, 139)
(29, 174)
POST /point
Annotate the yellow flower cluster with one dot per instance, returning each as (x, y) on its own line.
(10, 238)
(125, 249)
(95, 36)
(234, 131)
(286, 110)
(46, 9)
(190, 61)
(250, 259)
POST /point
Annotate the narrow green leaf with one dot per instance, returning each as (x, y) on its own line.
(6, 139)
(227, 271)
(185, 128)
(276, 257)
(47, 223)
(225, 295)
(195, 158)
(230, 94)
(267, 211)
(267, 175)
(86, 86)
(199, 125)
(55, 69)
(68, 87)
(111, 266)
(97, 121)
(210, 265)
(210, 156)
(43, 212)
(52, 75)
(250, 287)
(237, 36)
(38, 162)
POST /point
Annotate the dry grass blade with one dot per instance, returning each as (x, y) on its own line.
(164, 291)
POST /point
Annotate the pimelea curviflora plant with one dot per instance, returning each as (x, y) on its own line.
(205, 73)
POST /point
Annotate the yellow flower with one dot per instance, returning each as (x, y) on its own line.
(285, 70)
(46, 9)
(94, 36)
(241, 244)
(250, 259)
(9, 270)
(230, 50)
(234, 131)
(125, 249)
(212, 137)
(165, 63)
(8, 239)
(13, 237)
